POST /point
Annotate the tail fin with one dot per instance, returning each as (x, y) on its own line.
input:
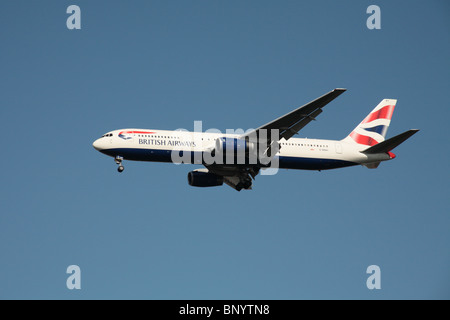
(372, 130)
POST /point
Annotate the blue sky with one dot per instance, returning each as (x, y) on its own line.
(145, 234)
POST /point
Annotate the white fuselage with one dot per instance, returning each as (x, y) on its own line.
(167, 146)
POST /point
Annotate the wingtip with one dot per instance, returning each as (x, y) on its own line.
(340, 89)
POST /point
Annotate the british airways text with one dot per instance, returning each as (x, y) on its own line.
(172, 143)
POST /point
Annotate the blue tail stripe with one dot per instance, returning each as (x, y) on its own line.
(378, 129)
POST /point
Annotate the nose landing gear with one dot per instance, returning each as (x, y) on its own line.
(118, 160)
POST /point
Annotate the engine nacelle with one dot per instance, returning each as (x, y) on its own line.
(235, 146)
(204, 179)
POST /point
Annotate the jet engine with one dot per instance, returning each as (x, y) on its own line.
(204, 179)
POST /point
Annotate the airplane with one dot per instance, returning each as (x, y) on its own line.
(236, 159)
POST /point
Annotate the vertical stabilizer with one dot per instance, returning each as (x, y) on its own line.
(372, 130)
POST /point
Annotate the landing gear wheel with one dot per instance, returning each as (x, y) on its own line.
(120, 168)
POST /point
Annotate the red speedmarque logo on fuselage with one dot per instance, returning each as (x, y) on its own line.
(128, 134)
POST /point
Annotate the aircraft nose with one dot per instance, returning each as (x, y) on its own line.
(97, 144)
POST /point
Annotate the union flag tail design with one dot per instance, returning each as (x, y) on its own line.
(372, 130)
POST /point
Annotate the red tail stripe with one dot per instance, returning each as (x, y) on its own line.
(384, 113)
(359, 138)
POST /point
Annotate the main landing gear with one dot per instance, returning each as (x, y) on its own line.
(118, 160)
(245, 183)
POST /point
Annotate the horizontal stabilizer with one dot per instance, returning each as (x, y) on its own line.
(391, 143)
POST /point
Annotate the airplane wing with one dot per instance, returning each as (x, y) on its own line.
(294, 121)
(287, 125)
